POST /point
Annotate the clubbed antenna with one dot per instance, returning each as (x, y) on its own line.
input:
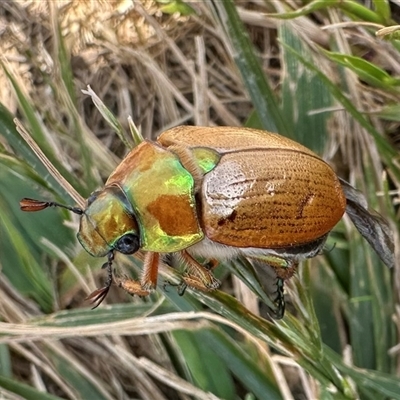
(32, 205)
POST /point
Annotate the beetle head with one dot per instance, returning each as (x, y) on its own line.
(109, 223)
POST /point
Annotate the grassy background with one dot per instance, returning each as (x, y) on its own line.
(314, 71)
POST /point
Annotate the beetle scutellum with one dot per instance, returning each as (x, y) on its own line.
(219, 193)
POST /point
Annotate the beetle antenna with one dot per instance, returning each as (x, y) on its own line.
(99, 295)
(32, 205)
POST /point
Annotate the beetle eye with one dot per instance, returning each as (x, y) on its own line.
(128, 244)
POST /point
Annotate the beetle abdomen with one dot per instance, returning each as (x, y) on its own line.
(270, 199)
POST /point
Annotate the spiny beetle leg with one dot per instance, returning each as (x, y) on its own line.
(191, 281)
(148, 280)
(199, 276)
(195, 283)
(132, 287)
(284, 267)
(279, 300)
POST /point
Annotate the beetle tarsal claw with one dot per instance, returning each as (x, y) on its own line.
(98, 296)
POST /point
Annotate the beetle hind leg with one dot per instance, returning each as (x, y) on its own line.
(279, 300)
(284, 267)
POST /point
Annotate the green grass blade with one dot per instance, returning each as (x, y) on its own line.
(382, 8)
(67, 80)
(367, 71)
(25, 153)
(302, 93)
(37, 132)
(206, 368)
(253, 373)
(263, 98)
(82, 386)
(25, 391)
(386, 149)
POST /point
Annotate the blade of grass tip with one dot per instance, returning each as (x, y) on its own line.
(389, 32)
(366, 71)
(360, 12)
(80, 201)
(136, 134)
(108, 116)
(382, 8)
(263, 97)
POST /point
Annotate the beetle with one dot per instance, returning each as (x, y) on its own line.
(218, 193)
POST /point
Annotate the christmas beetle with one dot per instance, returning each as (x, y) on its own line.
(219, 193)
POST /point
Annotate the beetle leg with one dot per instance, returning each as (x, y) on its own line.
(279, 300)
(211, 264)
(132, 286)
(194, 282)
(284, 267)
(148, 280)
(198, 276)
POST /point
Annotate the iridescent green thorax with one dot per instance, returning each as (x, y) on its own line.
(161, 192)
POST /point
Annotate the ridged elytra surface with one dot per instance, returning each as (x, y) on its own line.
(267, 191)
(270, 199)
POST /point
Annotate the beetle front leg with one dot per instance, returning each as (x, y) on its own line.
(148, 280)
(131, 286)
(198, 276)
(149, 277)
